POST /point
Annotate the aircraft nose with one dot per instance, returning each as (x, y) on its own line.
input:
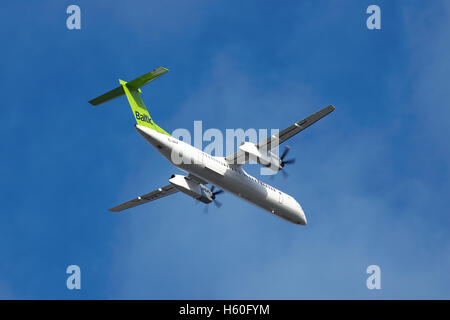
(302, 215)
(304, 219)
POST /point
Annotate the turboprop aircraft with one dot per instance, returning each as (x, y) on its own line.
(222, 172)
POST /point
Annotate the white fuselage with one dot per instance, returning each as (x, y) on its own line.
(231, 178)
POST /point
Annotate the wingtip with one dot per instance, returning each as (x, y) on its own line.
(161, 69)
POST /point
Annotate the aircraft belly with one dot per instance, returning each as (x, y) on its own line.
(243, 188)
(256, 194)
(235, 183)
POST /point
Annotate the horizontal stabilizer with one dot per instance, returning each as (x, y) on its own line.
(146, 78)
(133, 84)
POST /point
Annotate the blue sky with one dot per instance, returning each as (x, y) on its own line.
(373, 177)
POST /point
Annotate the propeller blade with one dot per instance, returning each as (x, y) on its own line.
(285, 174)
(285, 152)
(214, 193)
(217, 203)
(289, 161)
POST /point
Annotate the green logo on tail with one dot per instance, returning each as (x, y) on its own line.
(143, 117)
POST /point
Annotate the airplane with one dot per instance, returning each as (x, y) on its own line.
(202, 169)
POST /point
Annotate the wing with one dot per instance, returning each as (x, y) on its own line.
(291, 131)
(159, 193)
(268, 144)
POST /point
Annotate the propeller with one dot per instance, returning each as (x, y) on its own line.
(214, 193)
(213, 197)
(285, 162)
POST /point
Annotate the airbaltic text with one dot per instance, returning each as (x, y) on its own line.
(143, 117)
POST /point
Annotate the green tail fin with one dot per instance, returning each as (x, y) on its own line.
(133, 92)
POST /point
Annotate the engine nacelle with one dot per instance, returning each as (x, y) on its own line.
(191, 188)
(269, 159)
